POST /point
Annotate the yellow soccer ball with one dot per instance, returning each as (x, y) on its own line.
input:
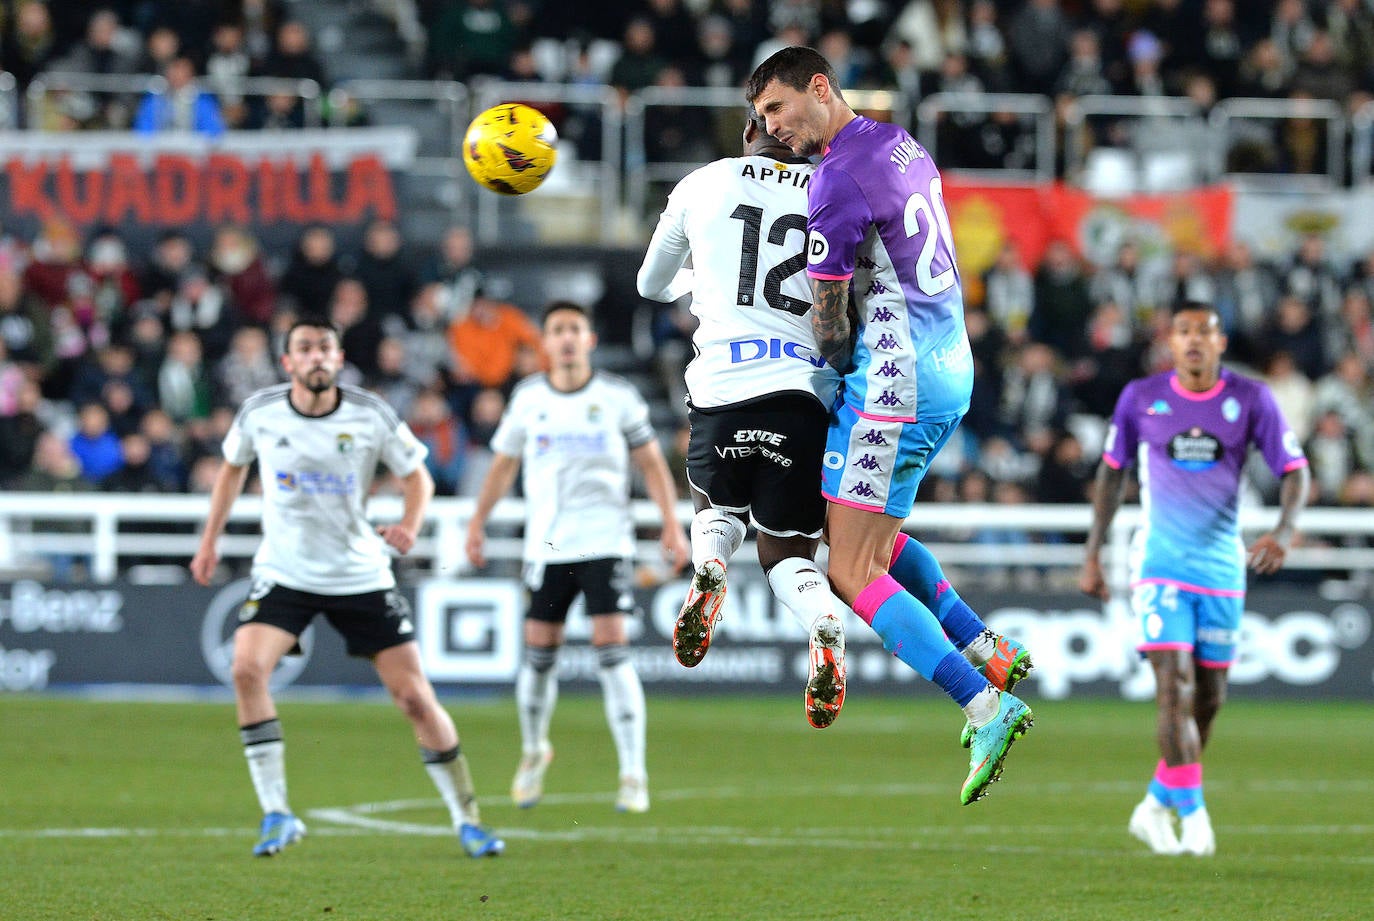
(510, 148)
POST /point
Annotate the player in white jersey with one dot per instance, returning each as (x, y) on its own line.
(317, 445)
(575, 431)
(759, 393)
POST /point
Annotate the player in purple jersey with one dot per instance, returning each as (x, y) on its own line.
(888, 316)
(1188, 431)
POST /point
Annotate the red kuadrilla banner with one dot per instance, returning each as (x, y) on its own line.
(986, 218)
(272, 183)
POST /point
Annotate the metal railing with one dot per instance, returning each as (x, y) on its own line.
(9, 102)
(1265, 119)
(1362, 144)
(35, 526)
(1157, 124)
(937, 108)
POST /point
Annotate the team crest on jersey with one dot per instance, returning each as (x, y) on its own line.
(345, 443)
(594, 413)
(1230, 409)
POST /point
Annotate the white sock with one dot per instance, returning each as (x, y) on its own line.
(801, 587)
(536, 694)
(625, 712)
(451, 777)
(267, 767)
(983, 707)
(981, 650)
(716, 535)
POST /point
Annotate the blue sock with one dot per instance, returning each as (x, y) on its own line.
(917, 570)
(908, 628)
(957, 678)
(1160, 792)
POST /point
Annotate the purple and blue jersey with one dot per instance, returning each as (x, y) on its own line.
(877, 217)
(1191, 448)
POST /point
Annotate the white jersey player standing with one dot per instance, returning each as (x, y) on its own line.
(317, 445)
(759, 393)
(575, 432)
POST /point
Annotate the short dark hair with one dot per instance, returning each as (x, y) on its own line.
(792, 67)
(310, 321)
(558, 306)
(1183, 305)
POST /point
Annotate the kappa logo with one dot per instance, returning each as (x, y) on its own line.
(863, 262)
(882, 315)
(886, 341)
(877, 288)
(888, 398)
(863, 491)
(874, 437)
(890, 369)
(867, 462)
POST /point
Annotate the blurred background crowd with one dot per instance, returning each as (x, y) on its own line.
(120, 369)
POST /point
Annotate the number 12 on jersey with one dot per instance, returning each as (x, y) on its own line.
(752, 216)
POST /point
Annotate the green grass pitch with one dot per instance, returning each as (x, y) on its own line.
(138, 811)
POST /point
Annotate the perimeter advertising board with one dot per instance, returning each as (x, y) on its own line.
(53, 637)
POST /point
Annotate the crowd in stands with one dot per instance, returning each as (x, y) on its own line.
(121, 370)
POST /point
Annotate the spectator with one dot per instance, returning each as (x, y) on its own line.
(25, 330)
(1332, 453)
(390, 380)
(1293, 391)
(430, 361)
(1038, 36)
(1312, 278)
(114, 362)
(95, 444)
(293, 58)
(639, 63)
(29, 43)
(136, 475)
(471, 37)
(432, 421)
(1263, 72)
(384, 270)
(160, 48)
(1354, 331)
(1065, 472)
(20, 429)
(248, 367)
(1062, 305)
(453, 268)
(719, 60)
(106, 48)
(361, 329)
(259, 20)
(1187, 280)
(987, 342)
(165, 458)
(1033, 399)
(235, 257)
(484, 416)
(675, 31)
(225, 69)
(276, 112)
(1223, 47)
(1009, 294)
(314, 272)
(55, 469)
(934, 29)
(203, 307)
(172, 260)
(1246, 293)
(988, 54)
(676, 134)
(115, 284)
(183, 384)
(1084, 74)
(1113, 359)
(1126, 283)
(1146, 52)
(487, 341)
(1292, 328)
(1112, 26)
(181, 106)
(125, 413)
(1348, 391)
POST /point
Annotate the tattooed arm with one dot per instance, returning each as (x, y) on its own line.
(832, 322)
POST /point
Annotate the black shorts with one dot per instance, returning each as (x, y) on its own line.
(606, 584)
(764, 458)
(368, 622)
